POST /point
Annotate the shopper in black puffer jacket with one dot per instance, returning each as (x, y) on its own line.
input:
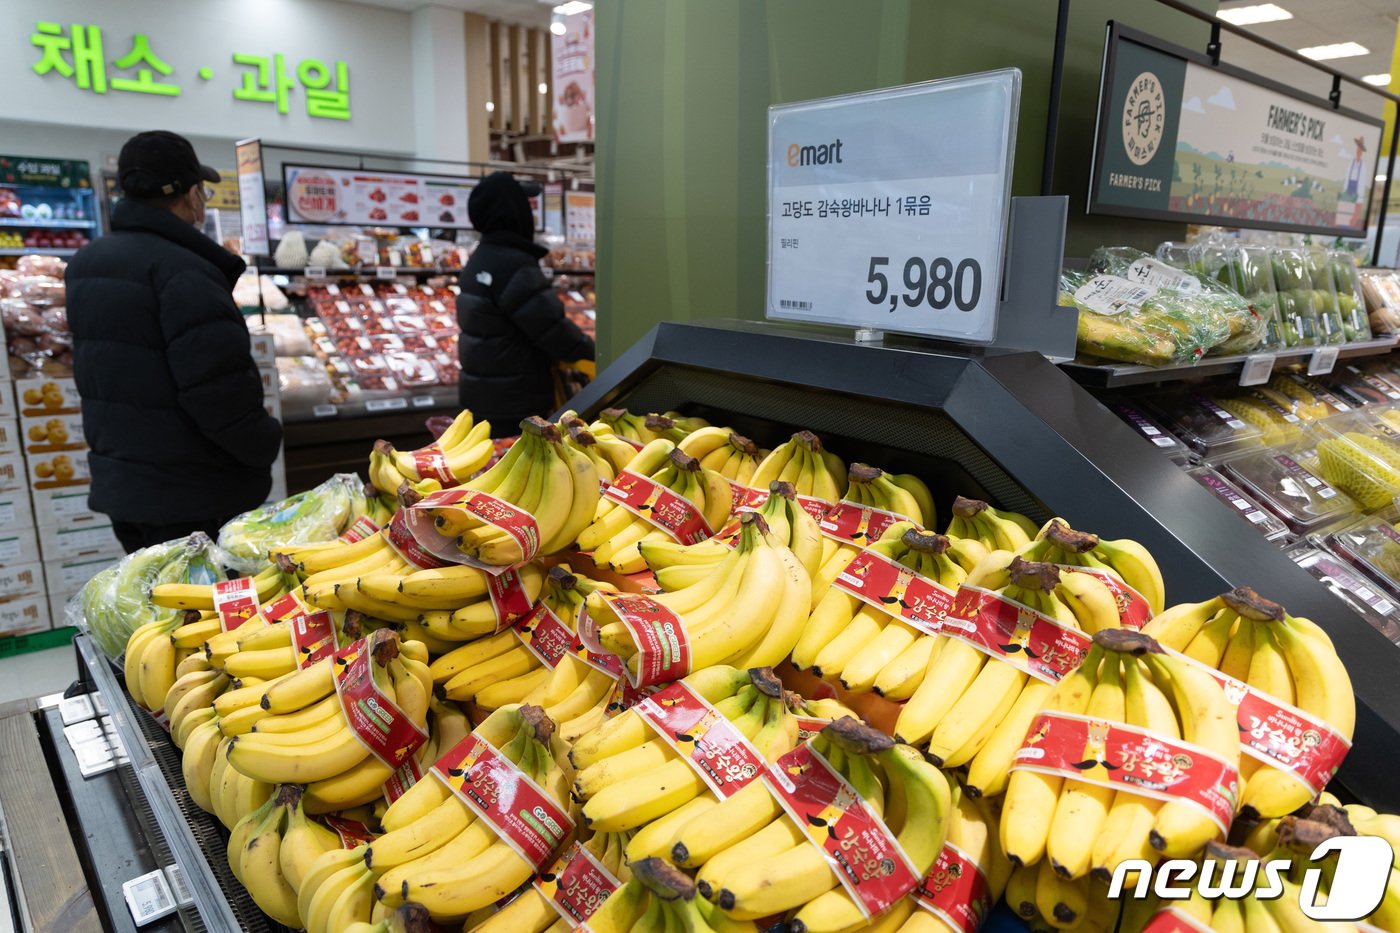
(172, 403)
(513, 325)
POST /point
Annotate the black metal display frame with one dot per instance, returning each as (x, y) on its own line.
(1012, 426)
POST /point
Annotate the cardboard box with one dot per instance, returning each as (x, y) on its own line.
(66, 577)
(24, 616)
(16, 512)
(67, 470)
(58, 615)
(50, 434)
(8, 408)
(60, 543)
(21, 580)
(64, 507)
(10, 436)
(14, 473)
(272, 404)
(19, 546)
(264, 351)
(269, 381)
(47, 397)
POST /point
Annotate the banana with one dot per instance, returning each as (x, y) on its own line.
(303, 842)
(260, 860)
(1175, 627)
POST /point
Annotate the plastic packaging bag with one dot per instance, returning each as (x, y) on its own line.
(116, 602)
(1346, 279)
(1297, 302)
(1382, 290)
(1132, 323)
(1330, 320)
(319, 514)
(1245, 270)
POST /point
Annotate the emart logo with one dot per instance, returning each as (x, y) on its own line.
(1357, 887)
(821, 154)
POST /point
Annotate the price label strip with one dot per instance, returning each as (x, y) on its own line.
(377, 721)
(663, 645)
(861, 525)
(431, 463)
(496, 513)
(659, 506)
(522, 814)
(235, 602)
(576, 885)
(1125, 758)
(715, 750)
(956, 891)
(1016, 634)
(313, 637)
(360, 529)
(867, 859)
(352, 833)
(894, 589)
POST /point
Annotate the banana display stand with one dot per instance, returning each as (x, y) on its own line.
(93, 841)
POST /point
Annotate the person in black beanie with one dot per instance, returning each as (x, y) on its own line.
(172, 402)
(513, 325)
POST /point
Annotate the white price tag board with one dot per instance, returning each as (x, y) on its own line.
(324, 411)
(149, 897)
(315, 272)
(1322, 361)
(1257, 369)
(887, 209)
(423, 401)
(384, 272)
(386, 404)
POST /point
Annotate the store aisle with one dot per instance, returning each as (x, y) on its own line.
(37, 674)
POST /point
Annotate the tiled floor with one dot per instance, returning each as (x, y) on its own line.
(32, 675)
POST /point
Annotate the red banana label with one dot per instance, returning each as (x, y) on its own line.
(494, 512)
(508, 598)
(352, 833)
(360, 529)
(576, 885)
(1172, 920)
(866, 857)
(861, 525)
(1016, 634)
(895, 589)
(659, 506)
(956, 891)
(431, 463)
(313, 637)
(663, 645)
(408, 774)
(745, 498)
(376, 720)
(522, 814)
(1126, 758)
(404, 533)
(1134, 611)
(283, 607)
(709, 743)
(624, 696)
(544, 635)
(1280, 735)
(590, 651)
(235, 602)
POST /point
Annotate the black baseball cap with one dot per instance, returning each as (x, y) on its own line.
(160, 163)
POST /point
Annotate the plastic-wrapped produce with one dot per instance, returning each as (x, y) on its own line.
(1311, 401)
(1131, 323)
(1272, 416)
(116, 602)
(319, 514)
(1347, 584)
(303, 383)
(288, 334)
(1247, 271)
(1372, 545)
(1203, 425)
(1265, 522)
(1297, 302)
(1360, 455)
(1381, 288)
(1247, 329)
(1331, 327)
(1281, 482)
(1351, 302)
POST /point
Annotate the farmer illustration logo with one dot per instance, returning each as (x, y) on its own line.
(1144, 118)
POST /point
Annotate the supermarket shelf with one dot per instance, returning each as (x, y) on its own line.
(558, 272)
(367, 275)
(1113, 375)
(48, 224)
(37, 251)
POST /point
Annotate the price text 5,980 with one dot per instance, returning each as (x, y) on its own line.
(939, 282)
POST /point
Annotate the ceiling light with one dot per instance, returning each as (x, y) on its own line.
(1378, 80)
(1255, 14)
(490, 106)
(1319, 53)
(572, 7)
(556, 25)
(544, 88)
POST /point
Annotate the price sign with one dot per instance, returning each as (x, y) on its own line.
(1257, 369)
(386, 404)
(385, 272)
(423, 401)
(1322, 361)
(324, 411)
(315, 272)
(887, 209)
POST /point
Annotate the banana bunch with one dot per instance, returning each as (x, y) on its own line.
(616, 531)
(995, 529)
(776, 870)
(1047, 902)
(499, 670)
(748, 612)
(727, 452)
(1290, 659)
(629, 780)
(616, 451)
(452, 603)
(212, 785)
(575, 694)
(643, 429)
(869, 650)
(1124, 558)
(540, 474)
(815, 472)
(531, 912)
(192, 692)
(435, 851)
(306, 739)
(116, 602)
(902, 493)
(150, 660)
(968, 703)
(1083, 826)
(447, 725)
(677, 565)
(268, 582)
(272, 848)
(662, 897)
(464, 448)
(319, 514)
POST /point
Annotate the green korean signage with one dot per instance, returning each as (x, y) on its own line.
(60, 173)
(81, 54)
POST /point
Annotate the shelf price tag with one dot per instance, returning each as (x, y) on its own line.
(315, 272)
(422, 401)
(385, 272)
(1322, 361)
(324, 411)
(909, 188)
(1257, 369)
(386, 404)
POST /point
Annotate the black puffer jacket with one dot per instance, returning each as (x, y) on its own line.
(172, 403)
(513, 325)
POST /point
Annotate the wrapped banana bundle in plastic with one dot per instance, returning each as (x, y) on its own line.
(1128, 322)
(319, 514)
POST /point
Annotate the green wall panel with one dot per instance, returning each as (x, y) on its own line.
(683, 92)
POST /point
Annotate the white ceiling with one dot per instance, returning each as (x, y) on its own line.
(1371, 23)
(525, 12)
